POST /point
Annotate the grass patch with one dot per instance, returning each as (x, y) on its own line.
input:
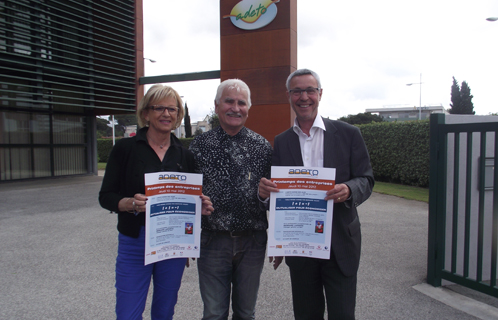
(101, 165)
(402, 191)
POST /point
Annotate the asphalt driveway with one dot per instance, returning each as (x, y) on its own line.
(58, 249)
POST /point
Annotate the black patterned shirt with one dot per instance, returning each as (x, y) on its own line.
(232, 167)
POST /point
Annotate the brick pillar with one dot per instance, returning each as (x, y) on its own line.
(263, 58)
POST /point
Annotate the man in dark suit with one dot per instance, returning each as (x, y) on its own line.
(314, 141)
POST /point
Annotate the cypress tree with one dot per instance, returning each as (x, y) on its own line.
(188, 126)
(456, 100)
(466, 98)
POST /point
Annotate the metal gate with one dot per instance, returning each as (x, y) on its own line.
(463, 202)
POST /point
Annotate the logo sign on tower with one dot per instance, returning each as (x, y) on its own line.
(253, 14)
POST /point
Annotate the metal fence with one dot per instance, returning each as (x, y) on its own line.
(463, 202)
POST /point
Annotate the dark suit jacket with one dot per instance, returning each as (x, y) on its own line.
(345, 150)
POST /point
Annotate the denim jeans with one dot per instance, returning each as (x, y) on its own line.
(133, 280)
(230, 265)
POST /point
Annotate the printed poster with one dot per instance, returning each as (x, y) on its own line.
(300, 220)
(173, 215)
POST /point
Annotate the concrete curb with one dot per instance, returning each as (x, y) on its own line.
(455, 300)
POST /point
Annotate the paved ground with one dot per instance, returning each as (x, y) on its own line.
(58, 249)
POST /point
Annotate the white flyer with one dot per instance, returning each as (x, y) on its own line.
(173, 215)
(300, 220)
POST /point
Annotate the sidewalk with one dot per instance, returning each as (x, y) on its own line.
(58, 249)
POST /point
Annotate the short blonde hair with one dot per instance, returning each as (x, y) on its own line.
(156, 93)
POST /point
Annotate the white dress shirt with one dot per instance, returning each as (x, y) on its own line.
(312, 145)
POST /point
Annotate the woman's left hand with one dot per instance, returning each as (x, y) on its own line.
(207, 205)
(139, 202)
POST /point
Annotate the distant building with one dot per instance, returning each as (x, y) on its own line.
(203, 125)
(130, 131)
(406, 113)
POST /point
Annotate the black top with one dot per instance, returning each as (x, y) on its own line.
(232, 167)
(129, 160)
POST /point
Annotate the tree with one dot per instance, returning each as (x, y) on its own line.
(198, 132)
(456, 101)
(123, 121)
(103, 128)
(461, 99)
(186, 121)
(466, 98)
(361, 118)
(214, 121)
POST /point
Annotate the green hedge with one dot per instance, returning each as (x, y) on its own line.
(186, 141)
(104, 147)
(399, 151)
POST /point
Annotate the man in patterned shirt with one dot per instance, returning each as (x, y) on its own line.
(232, 159)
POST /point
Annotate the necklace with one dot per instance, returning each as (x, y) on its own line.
(160, 145)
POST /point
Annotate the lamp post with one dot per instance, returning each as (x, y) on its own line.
(492, 19)
(113, 131)
(151, 60)
(420, 96)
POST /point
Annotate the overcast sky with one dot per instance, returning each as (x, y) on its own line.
(364, 51)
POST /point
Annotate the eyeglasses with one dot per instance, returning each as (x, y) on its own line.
(309, 91)
(160, 109)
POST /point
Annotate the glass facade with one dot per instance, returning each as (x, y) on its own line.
(61, 64)
(35, 145)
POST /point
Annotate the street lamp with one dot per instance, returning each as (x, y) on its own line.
(420, 98)
(492, 19)
(151, 60)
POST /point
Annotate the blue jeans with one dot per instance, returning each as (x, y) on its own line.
(230, 265)
(133, 281)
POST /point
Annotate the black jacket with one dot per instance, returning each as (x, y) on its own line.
(345, 150)
(129, 160)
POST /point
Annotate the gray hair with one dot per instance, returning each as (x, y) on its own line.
(236, 84)
(302, 72)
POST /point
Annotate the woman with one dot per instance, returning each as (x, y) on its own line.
(153, 149)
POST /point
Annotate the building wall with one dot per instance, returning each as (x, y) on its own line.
(406, 113)
(203, 125)
(62, 63)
